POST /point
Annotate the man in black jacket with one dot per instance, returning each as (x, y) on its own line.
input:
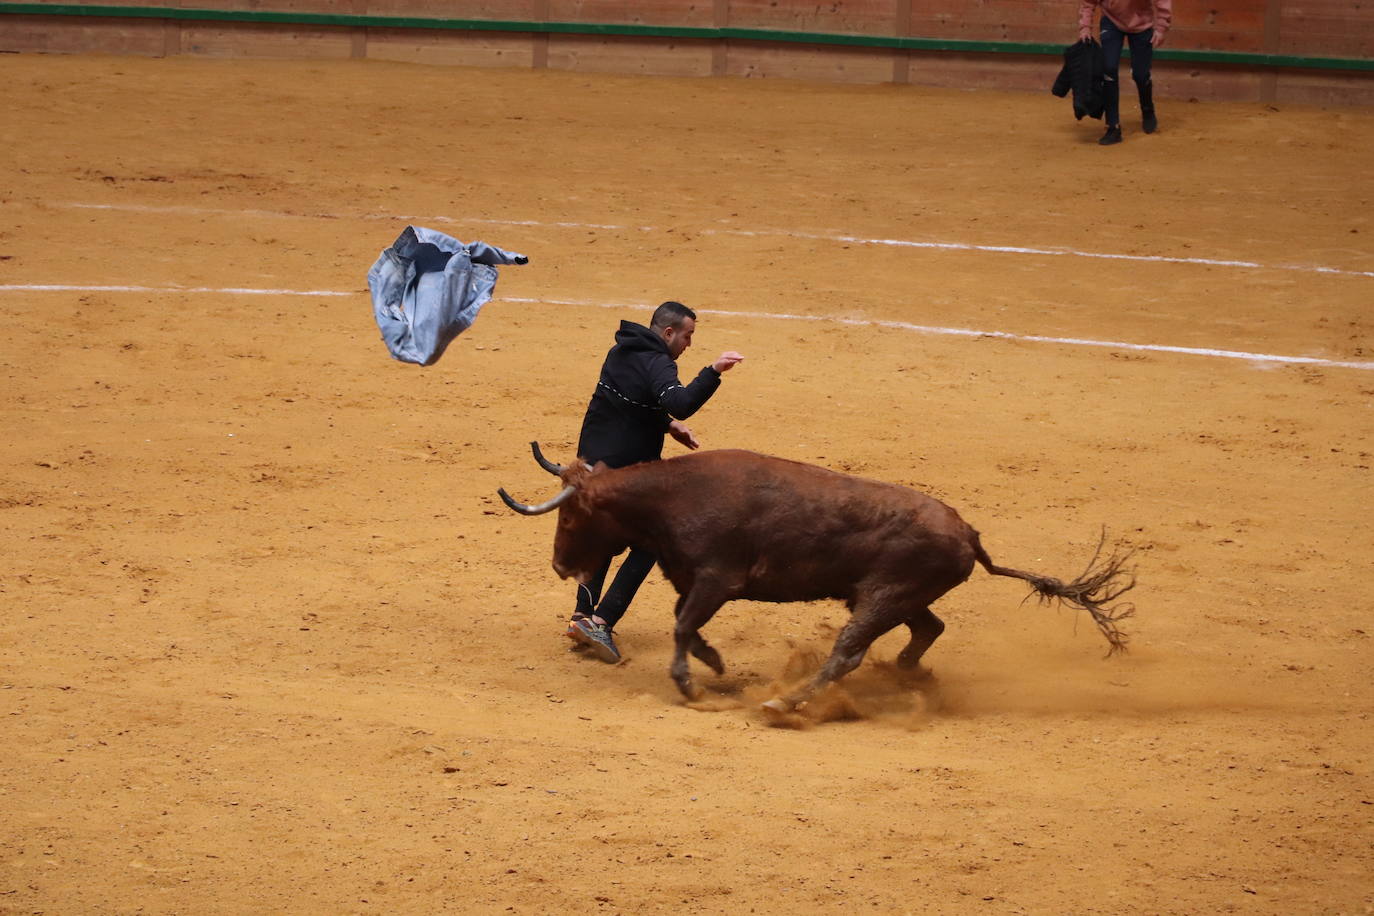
(637, 400)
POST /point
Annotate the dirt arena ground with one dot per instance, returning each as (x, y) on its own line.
(271, 643)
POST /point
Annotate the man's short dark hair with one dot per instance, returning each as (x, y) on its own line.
(670, 315)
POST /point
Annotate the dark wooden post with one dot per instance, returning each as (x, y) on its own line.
(901, 58)
(1269, 78)
(358, 49)
(720, 18)
(541, 39)
(171, 37)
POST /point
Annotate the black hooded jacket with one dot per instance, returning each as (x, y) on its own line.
(635, 398)
(1083, 72)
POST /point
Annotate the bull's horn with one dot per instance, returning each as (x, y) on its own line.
(546, 464)
(542, 507)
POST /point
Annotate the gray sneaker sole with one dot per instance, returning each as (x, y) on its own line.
(599, 649)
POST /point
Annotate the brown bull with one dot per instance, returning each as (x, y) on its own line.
(737, 524)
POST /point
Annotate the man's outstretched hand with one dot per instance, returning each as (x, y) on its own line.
(726, 360)
(678, 430)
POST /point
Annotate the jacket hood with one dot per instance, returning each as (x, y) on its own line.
(633, 336)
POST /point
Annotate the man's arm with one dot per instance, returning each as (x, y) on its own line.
(681, 401)
(1164, 17)
(1085, 18)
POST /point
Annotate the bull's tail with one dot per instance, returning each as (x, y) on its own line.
(1093, 590)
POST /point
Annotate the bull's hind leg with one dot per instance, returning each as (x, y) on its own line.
(851, 645)
(925, 628)
(693, 610)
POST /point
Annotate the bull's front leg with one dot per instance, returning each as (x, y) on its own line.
(694, 609)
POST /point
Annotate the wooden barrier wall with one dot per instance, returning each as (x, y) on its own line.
(1293, 28)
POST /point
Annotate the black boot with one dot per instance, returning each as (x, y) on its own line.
(1147, 106)
(1111, 110)
(1111, 101)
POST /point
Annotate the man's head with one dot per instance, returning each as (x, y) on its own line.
(674, 322)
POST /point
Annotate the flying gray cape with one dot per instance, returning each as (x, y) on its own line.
(427, 288)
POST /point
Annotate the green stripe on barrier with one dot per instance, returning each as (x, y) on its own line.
(891, 42)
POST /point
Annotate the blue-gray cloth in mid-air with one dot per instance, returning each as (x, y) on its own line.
(427, 288)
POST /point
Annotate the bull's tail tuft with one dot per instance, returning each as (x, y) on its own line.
(1094, 590)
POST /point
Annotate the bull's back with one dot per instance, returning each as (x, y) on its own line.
(786, 531)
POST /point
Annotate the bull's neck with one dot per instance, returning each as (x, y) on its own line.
(639, 496)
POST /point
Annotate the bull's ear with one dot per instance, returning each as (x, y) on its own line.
(599, 467)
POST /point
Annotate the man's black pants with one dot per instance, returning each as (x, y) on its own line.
(627, 580)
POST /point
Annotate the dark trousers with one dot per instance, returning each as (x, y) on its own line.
(1142, 53)
(617, 600)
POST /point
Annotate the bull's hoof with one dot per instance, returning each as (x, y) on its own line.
(691, 691)
(779, 714)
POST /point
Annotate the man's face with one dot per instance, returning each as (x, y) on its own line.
(679, 337)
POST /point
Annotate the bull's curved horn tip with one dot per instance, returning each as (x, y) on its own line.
(540, 509)
(546, 464)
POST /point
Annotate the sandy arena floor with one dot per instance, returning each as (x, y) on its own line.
(272, 644)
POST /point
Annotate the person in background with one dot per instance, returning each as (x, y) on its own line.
(1143, 23)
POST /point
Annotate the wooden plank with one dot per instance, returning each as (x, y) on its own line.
(1248, 16)
(254, 40)
(457, 9)
(945, 26)
(807, 62)
(1343, 28)
(860, 17)
(1297, 87)
(642, 56)
(88, 35)
(1332, 41)
(636, 12)
(994, 20)
(1216, 40)
(1203, 84)
(463, 49)
(334, 7)
(1354, 10)
(998, 12)
(976, 71)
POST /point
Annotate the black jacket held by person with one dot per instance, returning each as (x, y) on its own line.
(636, 397)
(1083, 73)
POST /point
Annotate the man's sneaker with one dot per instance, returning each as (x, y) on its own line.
(1113, 135)
(594, 637)
(1150, 123)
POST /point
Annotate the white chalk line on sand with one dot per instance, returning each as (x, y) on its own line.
(1000, 335)
(758, 233)
(246, 291)
(766, 316)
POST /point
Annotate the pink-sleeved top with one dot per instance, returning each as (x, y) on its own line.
(1131, 16)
